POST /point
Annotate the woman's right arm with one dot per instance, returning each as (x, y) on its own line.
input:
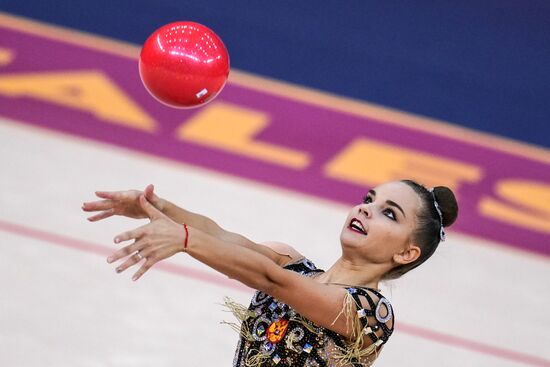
(278, 252)
(126, 203)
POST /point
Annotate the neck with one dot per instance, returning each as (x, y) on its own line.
(345, 272)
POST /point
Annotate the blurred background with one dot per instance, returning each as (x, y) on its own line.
(482, 65)
(342, 96)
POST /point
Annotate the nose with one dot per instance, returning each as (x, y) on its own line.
(364, 209)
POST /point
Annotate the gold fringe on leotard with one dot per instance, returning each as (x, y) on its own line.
(256, 359)
(242, 314)
(289, 342)
(354, 350)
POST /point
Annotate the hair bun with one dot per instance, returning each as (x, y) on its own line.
(447, 203)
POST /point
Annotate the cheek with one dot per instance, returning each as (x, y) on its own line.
(392, 237)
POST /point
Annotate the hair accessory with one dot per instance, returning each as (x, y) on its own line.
(186, 237)
(438, 209)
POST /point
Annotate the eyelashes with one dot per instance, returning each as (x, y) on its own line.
(391, 214)
(388, 213)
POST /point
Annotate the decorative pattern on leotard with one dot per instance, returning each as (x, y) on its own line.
(273, 334)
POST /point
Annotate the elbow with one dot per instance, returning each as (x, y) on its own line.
(268, 286)
(265, 276)
(271, 283)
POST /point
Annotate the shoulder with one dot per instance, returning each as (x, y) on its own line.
(286, 253)
(371, 299)
(375, 312)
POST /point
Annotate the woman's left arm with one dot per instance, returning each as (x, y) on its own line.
(163, 237)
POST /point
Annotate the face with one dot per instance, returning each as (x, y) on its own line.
(382, 225)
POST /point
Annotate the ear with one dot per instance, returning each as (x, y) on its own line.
(408, 255)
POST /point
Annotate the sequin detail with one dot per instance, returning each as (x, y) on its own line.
(268, 348)
(273, 334)
(378, 312)
(260, 326)
(259, 298)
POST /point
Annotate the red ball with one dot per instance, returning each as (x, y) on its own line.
(184, 64)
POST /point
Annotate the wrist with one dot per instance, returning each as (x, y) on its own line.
(186, 238)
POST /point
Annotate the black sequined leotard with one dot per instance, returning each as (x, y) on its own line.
(273, 334)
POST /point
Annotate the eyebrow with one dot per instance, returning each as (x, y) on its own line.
(389, 202)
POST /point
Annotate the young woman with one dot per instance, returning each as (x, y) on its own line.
(300, 315)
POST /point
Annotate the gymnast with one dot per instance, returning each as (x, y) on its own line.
(299, 315)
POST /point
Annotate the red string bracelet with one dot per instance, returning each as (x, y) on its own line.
(186, 237)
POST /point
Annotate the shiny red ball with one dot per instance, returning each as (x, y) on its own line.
(184, 64)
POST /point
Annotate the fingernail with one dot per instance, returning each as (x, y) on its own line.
(110, 259)
(134, 278)
(117, 240)
(118, 270)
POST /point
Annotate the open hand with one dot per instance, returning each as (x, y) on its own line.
(153, 242)
(125, 203)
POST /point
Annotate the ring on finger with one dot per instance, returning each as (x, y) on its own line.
(139, 256)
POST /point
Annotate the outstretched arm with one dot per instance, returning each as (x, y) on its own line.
(163, 238)
(278, 252)
(126, 203)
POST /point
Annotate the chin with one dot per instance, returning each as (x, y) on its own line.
(350, 240)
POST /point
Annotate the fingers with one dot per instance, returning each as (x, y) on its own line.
(106, 206)
(131, 235)
(94, 206)
(146, 266)
(149, 191)
(112, 195)
(104, 214)
(128, 250)
(151, 196)
(149, 209)
(134, 258)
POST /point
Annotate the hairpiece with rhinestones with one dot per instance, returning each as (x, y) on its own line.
(438, 209)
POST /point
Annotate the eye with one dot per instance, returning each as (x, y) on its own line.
(389, 213)
(367, 199)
